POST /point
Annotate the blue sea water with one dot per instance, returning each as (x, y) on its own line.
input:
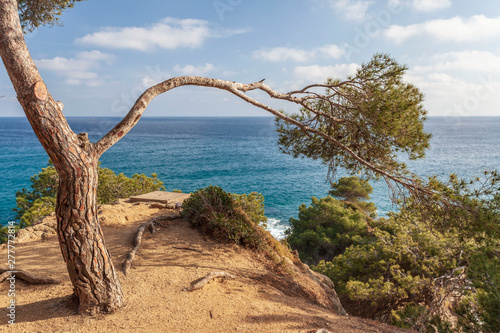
(240, 155)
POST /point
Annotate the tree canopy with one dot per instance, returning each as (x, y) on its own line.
(362, 124)
(351, 189)
(35, 13)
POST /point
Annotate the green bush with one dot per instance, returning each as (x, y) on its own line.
(43, 185)
(352, 189)
(227, 216)
(394, 271)
(325, 229)
(112, 187)
(482, 307)
(41, 200)
(355, 191)
(398, 269)
(253, 205)
(4, 232)
(37, 209)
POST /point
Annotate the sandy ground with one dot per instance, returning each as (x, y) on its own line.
(258, 300)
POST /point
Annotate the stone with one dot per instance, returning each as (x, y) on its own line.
(161, 196)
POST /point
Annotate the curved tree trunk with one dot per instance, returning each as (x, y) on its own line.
(94, 278)
(92, 273)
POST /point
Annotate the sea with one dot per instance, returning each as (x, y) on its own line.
(240, 155)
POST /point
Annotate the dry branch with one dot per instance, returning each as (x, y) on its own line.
(198, 284)
(300, 97)
(137, 243)
(138, 238)
(25, 276)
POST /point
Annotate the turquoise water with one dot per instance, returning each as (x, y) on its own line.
(238, 154)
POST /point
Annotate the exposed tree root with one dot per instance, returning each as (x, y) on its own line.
(198, 284)
(187, 249)
(25, 276)
(167, 217)
(138, 238)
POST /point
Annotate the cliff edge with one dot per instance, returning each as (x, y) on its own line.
(266, 295)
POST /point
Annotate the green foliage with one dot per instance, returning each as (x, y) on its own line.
(410, 315)
(40, 201)
(325, 229)
(227, 216)
(39, 208)
(398, 269)
(473, 208)
(34, 13)
(112, 187)
(395, 268)
(43, 185)
(5, 231)
(356, 191)
(352, 189)
(374, 113)
(253, 205)
(484, 306)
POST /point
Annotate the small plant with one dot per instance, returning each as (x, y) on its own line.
(41, 200)
(227, 216)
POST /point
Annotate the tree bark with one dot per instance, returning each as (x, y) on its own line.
(89, 264)
(95, 281)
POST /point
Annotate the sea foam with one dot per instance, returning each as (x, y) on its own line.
(277, 228)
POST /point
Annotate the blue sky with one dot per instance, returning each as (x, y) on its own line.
(108, 52)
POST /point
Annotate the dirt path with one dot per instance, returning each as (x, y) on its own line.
(258, 300)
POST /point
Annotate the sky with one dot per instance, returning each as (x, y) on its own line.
(107, 53)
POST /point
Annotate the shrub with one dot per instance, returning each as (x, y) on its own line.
(355, 191)
(227, 216)
(481, 308)
(41, 200)
(39, 208)
(352, 189)
(418, 266)
(112, 187)
(389, 277)
(325, 229)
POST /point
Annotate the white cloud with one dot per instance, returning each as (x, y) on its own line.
(298, 55)
(449, 95)
(169, 33)
(351, 9)
(319, 74)
(331, 51)
(459, 83)
(194, 70)
(283, 54)
(77, 70)
(465, 61)
(457, 29)
(430, 5)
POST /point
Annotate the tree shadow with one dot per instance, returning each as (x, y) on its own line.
(296, 322)
(56, 307)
